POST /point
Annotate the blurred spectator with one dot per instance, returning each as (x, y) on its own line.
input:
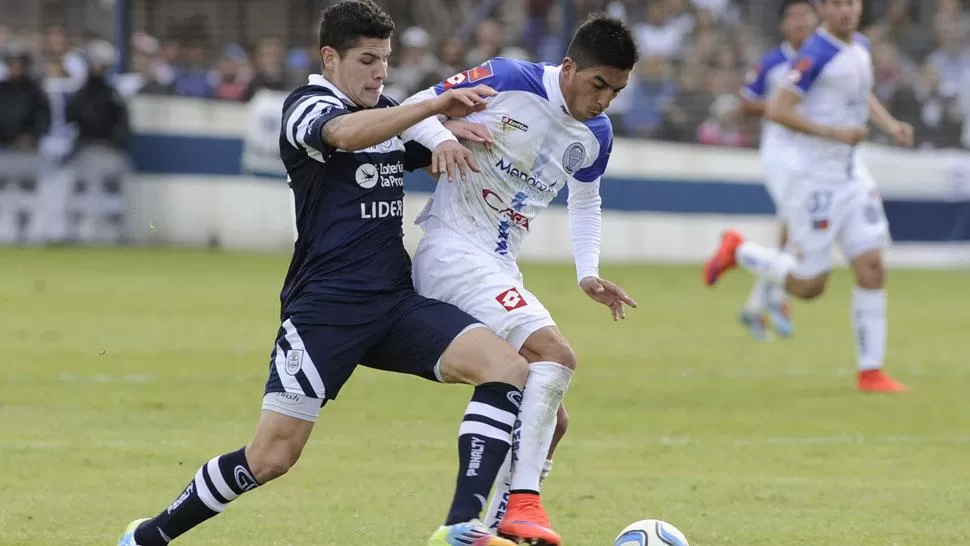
(683, 114)
(192, 75)
(57, 46)
(651, 93)
(934, 111)
(900, 27)
(724, 127)
(229, 79)
(660, 35)
(270, 72)
(101, 117)
(951, 58)
(24, 119)
(147, 70)
(415, 64)
(490, 42)
(48, 222)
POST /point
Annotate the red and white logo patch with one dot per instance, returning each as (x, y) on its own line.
(511, 299)
(471, 76)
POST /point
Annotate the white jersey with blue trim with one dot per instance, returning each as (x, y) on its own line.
(538, 149)
(835, 79)
(760, 83)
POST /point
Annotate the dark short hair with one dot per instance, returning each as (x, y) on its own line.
(345, 24)
(789, 3)
(603, 41)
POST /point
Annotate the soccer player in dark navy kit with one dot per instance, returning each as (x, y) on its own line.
(348, 297)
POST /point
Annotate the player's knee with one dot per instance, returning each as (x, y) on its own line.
(549, 345)
(271, 463)
(560, 353)
(808, 289)
(870, 272)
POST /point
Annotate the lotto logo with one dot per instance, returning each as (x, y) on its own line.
(511, 299)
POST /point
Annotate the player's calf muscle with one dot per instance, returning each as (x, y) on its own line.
(277, 445)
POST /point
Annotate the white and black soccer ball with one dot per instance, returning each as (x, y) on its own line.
(651, 532)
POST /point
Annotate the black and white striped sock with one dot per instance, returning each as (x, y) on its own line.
(484, 440)
(216, 484)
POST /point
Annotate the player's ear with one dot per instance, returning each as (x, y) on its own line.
(568, 67)
(329, 56)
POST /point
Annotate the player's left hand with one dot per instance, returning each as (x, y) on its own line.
(903, 133)
(609, 294)
(470, 131)
(453, 158)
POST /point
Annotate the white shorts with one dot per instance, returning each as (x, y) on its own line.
(820, 215)
(778, 183)
(449, 268)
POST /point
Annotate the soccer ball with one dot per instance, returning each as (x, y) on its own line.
(650, 532)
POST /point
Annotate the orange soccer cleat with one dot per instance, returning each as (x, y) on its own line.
(879, 381)
(723, 259)
(526, 522)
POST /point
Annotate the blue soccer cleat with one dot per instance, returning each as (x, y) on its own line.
(128, 538)
(781, 321)
(754, 322)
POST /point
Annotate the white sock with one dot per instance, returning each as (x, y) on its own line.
(532, 436)
(769, 264)
(777, 295)
(869, 323)
(757, 299)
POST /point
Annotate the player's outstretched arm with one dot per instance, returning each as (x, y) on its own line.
(584, 207)
(367, 128)
(783, 109)
(901, 131)
(753, 108)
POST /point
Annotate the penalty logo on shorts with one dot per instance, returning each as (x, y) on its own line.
(511, 299)
(294, 361)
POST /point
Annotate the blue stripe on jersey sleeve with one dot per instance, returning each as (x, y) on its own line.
(756, 86)
(603, 129)
(811, 60)
(500, 74)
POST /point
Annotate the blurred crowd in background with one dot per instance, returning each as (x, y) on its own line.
(61, 95)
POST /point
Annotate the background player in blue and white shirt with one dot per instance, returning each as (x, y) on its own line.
(547, 132)
(828, 101)
(348, 297)
(798, 21)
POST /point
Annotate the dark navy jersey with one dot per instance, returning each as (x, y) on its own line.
(349, 205)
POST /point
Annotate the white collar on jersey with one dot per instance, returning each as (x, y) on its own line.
(788, 50)
(317, 79)
(832, 38)
(550, 80)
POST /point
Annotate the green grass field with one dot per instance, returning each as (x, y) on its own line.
(123, 371)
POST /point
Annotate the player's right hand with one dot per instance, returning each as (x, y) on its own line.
(851, 135)
(453, 158)
(470, 131)
(458, 103)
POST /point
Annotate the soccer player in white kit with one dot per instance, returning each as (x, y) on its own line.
(798, 21)
(548, 131)
(828, 101)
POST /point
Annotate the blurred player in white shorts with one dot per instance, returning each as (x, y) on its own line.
(546, 130)
(798, 21)
(828, 100)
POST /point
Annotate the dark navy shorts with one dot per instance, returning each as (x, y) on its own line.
(320, 343)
